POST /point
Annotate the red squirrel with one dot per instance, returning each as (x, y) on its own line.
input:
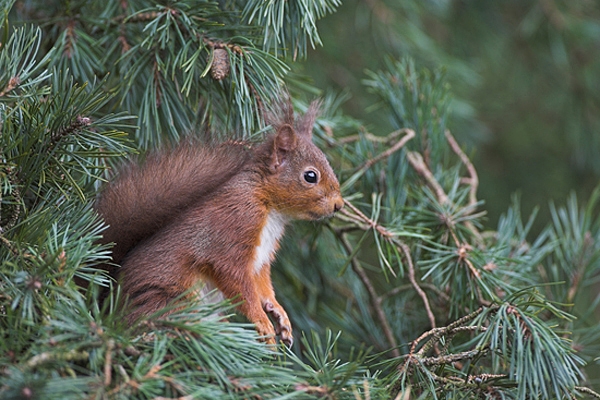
(215, 214)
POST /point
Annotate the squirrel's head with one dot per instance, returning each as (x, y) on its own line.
(299, 180)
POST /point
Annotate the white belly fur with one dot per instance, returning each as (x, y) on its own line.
(269, 239)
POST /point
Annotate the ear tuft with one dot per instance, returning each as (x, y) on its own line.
(306, 123)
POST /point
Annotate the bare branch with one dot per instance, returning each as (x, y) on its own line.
(375, 299)
(416, 161)
(371, 137)
(413, 281)
(452, 358)
(12, 84)
(589, 391)
(110, 345)
(424, 285)
(408, 135)
(368, 223)
(473, 180)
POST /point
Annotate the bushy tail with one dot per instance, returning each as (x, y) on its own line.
(144, 197)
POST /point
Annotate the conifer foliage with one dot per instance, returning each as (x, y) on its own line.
(404, 294)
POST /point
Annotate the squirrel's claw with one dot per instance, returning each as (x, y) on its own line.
(286, 337)
(283, 327)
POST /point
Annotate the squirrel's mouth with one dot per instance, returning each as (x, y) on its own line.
(315, 216)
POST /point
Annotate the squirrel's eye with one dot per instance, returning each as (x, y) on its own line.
(310, 176)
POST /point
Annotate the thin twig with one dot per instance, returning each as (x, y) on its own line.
(405, 249)
(375, 299)
(452, 358)
(589, 391)
(8, 244)
(414, 357)
(424, 285)
(447, 329)
(416, 161)
(413, 281)
(152, 374)
(108, 362)
(45, 357)
(363, 218)
(473, 180)
(371, 137)
(408, 135)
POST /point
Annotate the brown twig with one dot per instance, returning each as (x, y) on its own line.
(433, 336)
(391, 237)
(108, 362)
(423, 285)
(125, 46)
(363, 219)
(375, 299)
(452, 358)
(416, 161)
(413, 281)
(45, 357)
(370, 137)
(408, 134)
(70, 38)
(140, 17)
(214, 44)
(484, 377)
(450, 329)
(589, 391)
(7, 243)
(13, 82)
(473, 178)
(152, 374)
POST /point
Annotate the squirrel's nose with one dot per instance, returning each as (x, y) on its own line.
(338, 205)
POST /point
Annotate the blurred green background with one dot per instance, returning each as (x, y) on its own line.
(524, 74)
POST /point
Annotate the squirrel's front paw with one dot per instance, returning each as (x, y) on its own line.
(283, 326)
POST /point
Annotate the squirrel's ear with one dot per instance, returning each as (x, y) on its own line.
(285, 141)
(286, 138)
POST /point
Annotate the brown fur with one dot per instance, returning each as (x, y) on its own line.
(195, 214)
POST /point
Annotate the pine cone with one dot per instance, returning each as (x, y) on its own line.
(220, 65)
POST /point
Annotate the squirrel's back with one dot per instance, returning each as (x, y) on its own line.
(144, 197)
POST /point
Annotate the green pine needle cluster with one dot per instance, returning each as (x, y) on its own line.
(405, 294)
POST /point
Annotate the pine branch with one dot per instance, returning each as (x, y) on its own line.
(75, 126)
